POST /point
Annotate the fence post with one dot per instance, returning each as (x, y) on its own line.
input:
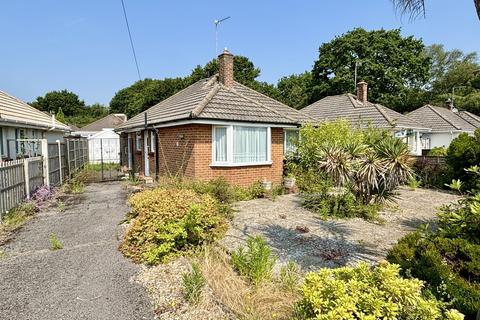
(26, 165)
(68, 158)
(60, 161)
(46, 170)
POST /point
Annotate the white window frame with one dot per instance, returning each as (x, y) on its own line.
(285, 151)
(138, 141)
(230, 142)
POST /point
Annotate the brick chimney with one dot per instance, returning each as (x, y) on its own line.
(362, 91)
(225, 68)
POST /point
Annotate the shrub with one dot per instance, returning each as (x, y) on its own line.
(363, 292)
(464, 152)
(342, 205)
(438, 152)
(434, 174)
(193, 283)
(450, 268)
(170, 221)
(256, 261)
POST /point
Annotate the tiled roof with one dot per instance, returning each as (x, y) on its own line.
(440, 119)
(471, 118)
(209, 99)
(346, 106)
(109, 122)
(13, 110)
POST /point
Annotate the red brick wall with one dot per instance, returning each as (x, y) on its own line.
(186, 151)
(243, 176)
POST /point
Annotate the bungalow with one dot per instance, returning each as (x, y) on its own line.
(362, 113)
(20, 121)
(215, 127)
(446, 124)
(103, 141)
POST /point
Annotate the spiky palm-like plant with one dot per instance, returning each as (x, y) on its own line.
(417, 7)
(369, 177)
(397, 162)
(338, 164)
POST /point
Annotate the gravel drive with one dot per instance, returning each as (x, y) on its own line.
(297, 234)
(87, 279)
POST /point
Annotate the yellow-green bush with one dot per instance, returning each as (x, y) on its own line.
(367, 293)
(169, 221)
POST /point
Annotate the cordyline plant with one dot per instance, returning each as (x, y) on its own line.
(370, 163)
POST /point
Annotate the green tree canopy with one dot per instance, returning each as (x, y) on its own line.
(294, 90)
(390, 63)
(53, 101)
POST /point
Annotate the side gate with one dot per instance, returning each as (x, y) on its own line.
(104, 158)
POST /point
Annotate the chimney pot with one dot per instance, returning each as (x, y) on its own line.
(362, 91)
(225, 68)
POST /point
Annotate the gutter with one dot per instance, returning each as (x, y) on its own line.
(32, 125)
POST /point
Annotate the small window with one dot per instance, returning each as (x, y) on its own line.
(138, 141)
(291, 140)
(220, 144)
(152, 141)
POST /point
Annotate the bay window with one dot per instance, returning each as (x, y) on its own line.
(241, 145)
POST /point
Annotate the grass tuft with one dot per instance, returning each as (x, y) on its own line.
(193, 283)
(55, 243)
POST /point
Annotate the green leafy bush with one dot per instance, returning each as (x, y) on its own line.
(449, 267)
(464, 152)
(438, 152)
(369, 163)
(363, 292)
(256, 261)
(167, 221)
(342, 205)
(193, 283)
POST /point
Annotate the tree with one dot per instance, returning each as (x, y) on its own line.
(144, 94)
(60, 116)
(53, 101)
(417, 7)
(294, 90)
(390, 63)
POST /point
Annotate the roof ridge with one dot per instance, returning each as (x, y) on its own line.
(384, 114)
(163, 101)
(98, 120)
(259, 104)
(441, 116)
(352, 99)
(264, 95)
(199, 108)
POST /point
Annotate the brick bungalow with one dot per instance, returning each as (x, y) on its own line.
(215, 127)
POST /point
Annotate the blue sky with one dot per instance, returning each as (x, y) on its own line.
(83, 45)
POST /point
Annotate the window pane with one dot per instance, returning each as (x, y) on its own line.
(249, 144)
(291, 140)
(220, 144)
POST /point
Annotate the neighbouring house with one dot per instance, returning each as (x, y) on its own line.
(103, 141)
(215, 127)
(21, 125)
(446, 124)
(362, 113)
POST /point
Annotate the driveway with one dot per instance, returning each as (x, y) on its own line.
(87, 279)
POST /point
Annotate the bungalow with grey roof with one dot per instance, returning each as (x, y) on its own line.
(20, 121)
(362, 113)
(215, 127)
(446, 124)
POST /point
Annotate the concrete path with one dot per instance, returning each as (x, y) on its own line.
(87, 279)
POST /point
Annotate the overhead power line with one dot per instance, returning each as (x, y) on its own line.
(131, 40)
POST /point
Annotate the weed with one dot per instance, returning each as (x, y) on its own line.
(289, 276)
(55, 243)
(61, 206)
(16, 218)
(256, 262)
(77, 186)
(2, 254)
(193, 283)
(414, 183)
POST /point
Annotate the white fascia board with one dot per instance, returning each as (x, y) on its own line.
(224, 123)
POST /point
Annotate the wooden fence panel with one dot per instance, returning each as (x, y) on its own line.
(12, 185)
(35, 173)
